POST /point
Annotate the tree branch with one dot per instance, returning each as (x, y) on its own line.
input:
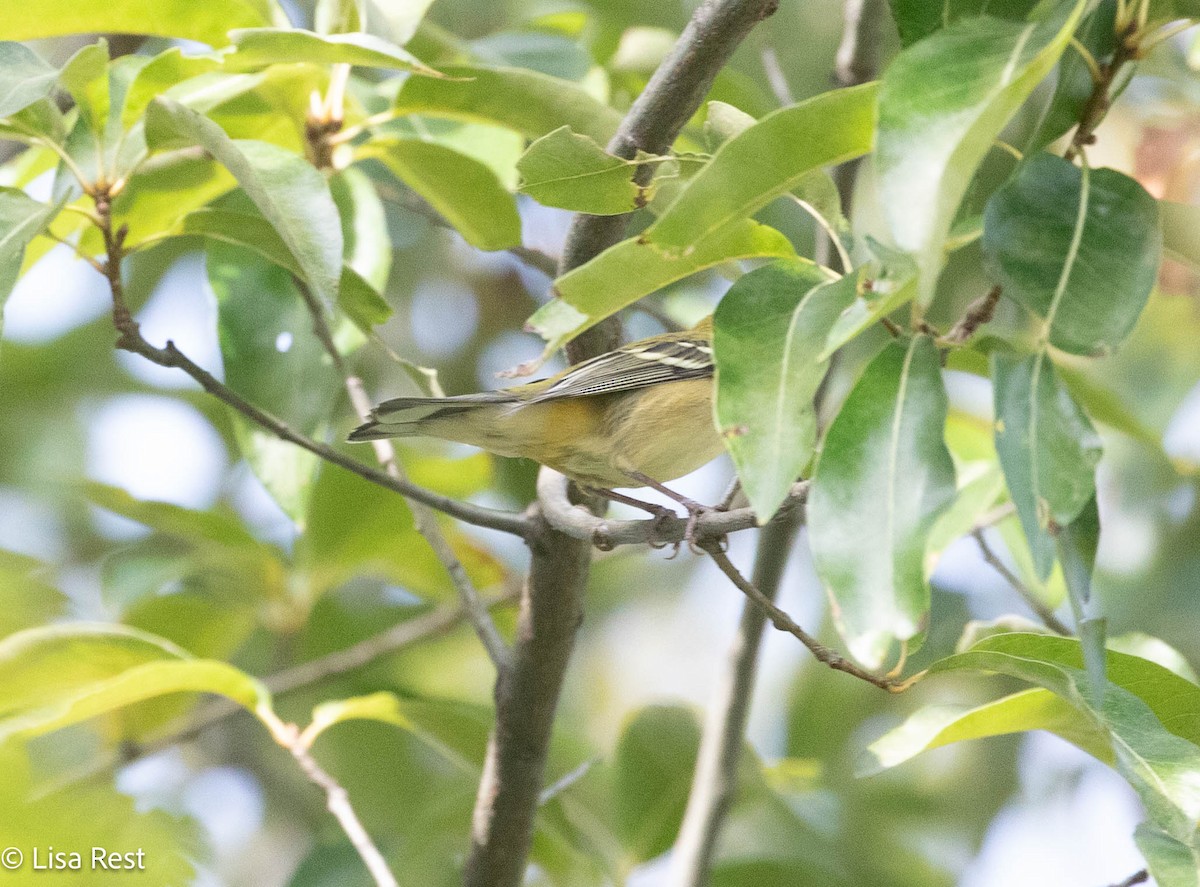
(551, 610)
(578, 522)
(130, 339)
(658, 114)
(714, 782)
(424, 518)
(552, 606)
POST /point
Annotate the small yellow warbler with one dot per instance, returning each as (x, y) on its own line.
(637, 416)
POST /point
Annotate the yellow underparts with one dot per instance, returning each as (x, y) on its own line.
(663, 431)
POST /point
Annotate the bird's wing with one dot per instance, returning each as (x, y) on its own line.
(634, 366)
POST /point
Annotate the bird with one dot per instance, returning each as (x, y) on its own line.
(640, 415)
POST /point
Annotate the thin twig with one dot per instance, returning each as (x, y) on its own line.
(715, 780)
(857, 59)
(1136, 878)
(785, 623)
(1043, 612)
(978, 313)
(172, 357)
(535, 259)
(1096, 107)
(130, 339)
(79, 254)
(424, 518)
(776, 79)
(337, 800)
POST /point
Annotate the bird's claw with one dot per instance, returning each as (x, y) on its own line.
(695, 512)
(663, 517)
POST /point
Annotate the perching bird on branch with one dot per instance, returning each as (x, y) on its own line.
(637, 416)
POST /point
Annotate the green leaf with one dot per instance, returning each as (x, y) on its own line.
(355, 527)
(1107, 407)
(631, 269)
(1162, 11)
(287, 190)
(158, 198)
(496, 147)
(40, 121)
(1077, 544)
(1171, 862)
(766, 160)
(934, 726)
(943, 102)
(570, 171)
(767, 333)
(1181, 231)
(356, 297)
(1078, 248)
(86, 77)
(917, 19)
(337, 17)
(1047, 447)
(891, 286)
(272, 358)
(976, 495)
(652, 775)
(210, 552)
(258, 47)
(396, 21)
(524, 100)
(1074, 83)
(463, 190)
(1151, 715)
(221, 527)
(364, 226)
(1050, 590)
(164, 72)
(21, 219)
(28, 598)
(55, 676)
(723, 121)
(24, 78)
(883, 478)
(385, 708)
(206, 22)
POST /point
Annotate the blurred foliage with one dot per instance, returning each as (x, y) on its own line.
(123, 601)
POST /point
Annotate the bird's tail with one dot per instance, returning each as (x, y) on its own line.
(413, 416)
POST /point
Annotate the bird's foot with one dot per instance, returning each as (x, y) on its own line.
(694, 509)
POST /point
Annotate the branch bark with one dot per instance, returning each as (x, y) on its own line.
(714, 782)
(669, 100)
(578, 522)
(551, 608)
(527, 692)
